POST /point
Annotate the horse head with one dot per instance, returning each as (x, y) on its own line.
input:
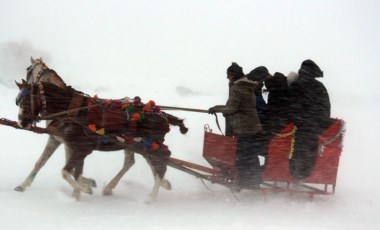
(29, 104)
(33, 72)
(38, 71)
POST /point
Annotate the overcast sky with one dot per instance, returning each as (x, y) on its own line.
(191, 43)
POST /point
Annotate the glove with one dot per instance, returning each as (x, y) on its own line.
(211, 110)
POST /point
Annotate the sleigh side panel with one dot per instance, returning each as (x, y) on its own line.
(326, 167)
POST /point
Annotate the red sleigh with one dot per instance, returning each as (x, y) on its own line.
(220, 152)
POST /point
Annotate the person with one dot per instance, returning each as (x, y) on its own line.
(244, 121)
(279, 111)
(312, 109)
(234, 73)
(259, 74)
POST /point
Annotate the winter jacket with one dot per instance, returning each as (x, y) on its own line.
(312, 103)
(240, 108)
(280, 102)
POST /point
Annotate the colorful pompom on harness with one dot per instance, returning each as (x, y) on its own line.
(129, 119)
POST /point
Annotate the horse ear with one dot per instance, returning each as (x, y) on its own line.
(32, 60)
(19, 85)
(24, 82)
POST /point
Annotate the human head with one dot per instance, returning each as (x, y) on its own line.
(234, 72)
(277, 82)
(258, 74)
(292, 77)
(309, 68)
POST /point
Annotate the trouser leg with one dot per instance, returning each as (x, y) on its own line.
(247, 161)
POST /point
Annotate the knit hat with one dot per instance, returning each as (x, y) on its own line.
(258, 74)
(308, 67)
(235, 70)
(277, 82)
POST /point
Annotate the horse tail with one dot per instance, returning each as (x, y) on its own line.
(173, 120)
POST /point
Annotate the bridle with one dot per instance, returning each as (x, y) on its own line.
(34, 99)
(30, 70)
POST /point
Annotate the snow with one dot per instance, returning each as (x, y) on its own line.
(176, 53)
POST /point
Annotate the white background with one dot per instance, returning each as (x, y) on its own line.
(176, 53)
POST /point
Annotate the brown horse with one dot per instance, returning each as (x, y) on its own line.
(75, 117)
(38, 71)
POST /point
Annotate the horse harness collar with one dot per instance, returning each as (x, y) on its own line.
(73, 109)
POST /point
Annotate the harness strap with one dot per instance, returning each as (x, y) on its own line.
(48, 117)
(32, 105)
(75, 103)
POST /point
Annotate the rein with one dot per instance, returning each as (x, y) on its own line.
(32, 106)
(163, 107)
(48, 117)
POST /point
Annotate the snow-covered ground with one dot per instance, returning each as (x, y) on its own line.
(176, 53)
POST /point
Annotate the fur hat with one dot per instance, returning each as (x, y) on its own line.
(277, 82)
(258, 74)
(309, 68)
(235, 70)
(292, 77)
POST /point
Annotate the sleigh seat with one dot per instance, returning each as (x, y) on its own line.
(324, 175)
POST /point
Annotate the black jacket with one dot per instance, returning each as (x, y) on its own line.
(311, 102)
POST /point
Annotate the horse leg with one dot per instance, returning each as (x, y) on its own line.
(158, 169)
(51, 145)
(76, 163)
(84, 180)
(129, 160)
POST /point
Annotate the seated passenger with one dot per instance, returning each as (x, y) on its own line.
(279, 109)
(312, 110)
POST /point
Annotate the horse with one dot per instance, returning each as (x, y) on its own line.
(73, 129)
(38, 71)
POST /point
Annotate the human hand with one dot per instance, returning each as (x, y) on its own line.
(211, 110)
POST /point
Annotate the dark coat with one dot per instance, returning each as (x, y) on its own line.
(240, 108)
(312, 117)
(280, 102)
(279, 110)
(311, 103)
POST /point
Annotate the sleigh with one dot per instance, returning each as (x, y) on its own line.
(220, 153)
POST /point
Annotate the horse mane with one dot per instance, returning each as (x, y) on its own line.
(47, 71)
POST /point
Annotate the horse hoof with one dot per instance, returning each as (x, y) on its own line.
(149, 200)
(19, 189)
(166, 185)
(107, 192)
(76, 195)
(88, 190)
(93, 183)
